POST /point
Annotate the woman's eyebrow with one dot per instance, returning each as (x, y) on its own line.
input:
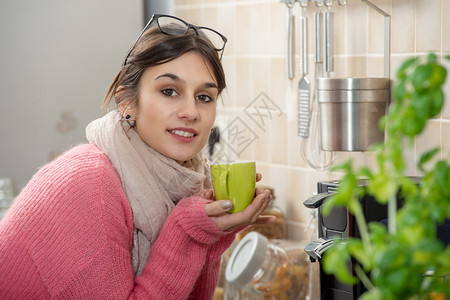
(209, 85)
(174, 77)
(171, 76)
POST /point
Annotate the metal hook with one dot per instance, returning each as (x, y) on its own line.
(303, 3)
(342, 2)
(319, 3)
(289, 3)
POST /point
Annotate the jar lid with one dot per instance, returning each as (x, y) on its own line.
(246, 259)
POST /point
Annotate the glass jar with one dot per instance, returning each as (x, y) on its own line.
(221, 283)
(264, 269)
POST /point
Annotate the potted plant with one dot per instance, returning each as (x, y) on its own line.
(393, 262)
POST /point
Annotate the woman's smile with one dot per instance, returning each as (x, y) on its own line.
(185, 135)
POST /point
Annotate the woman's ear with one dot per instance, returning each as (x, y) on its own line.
(125, 106)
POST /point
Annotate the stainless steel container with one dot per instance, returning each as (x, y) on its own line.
(350, 109)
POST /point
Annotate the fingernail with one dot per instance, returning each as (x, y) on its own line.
(226, 204)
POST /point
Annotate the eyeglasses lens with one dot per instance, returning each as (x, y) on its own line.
(170, 25)
(214, 37)
(174, 26)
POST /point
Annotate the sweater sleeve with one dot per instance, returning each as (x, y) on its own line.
(184, 260)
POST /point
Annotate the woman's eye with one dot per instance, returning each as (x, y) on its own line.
(169, 92)
(205, 98)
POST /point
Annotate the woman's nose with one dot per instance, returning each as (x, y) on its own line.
(188, 109)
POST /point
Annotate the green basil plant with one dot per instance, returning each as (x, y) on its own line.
(393, 262)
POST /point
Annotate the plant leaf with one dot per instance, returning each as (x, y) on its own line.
(437, 102)
(402, 70)
(420, 78)
(426, 157)
(335, 261)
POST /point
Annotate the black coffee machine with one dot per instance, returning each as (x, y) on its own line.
(342, 224)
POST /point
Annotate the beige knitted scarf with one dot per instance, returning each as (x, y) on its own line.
(152, 182)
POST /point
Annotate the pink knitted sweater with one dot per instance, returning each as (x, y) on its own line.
(68, 235)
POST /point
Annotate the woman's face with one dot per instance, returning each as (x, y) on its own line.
(176, 106)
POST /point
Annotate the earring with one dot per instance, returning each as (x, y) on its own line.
(132, 123)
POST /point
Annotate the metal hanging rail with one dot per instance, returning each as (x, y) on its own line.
(387, 36)
(387, 28)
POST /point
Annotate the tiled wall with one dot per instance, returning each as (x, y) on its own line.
(260, 100)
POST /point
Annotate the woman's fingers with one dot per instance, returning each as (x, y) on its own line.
(266, 219)
(248, 216)
(260, 203)
(258, 177)
(262, 190)
(206, 194)
(218, 207)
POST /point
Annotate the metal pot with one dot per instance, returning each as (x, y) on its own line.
(350, 109)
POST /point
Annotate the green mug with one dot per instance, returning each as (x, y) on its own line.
(236, 182)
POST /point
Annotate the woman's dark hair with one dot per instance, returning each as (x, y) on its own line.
(155, 48)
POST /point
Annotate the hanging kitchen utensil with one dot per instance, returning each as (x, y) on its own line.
(311, 149)
(318, 17)
(329, 38)
(290, 38)
(303, 85)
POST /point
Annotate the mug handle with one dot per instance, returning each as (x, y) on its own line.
(224, 183)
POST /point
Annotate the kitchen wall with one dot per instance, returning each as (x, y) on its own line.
(57, 61)
(258, 112)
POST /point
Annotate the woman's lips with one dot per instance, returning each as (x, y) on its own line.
(185, 135)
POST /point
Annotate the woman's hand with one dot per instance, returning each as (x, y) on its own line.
(217, 210)
(206, 194)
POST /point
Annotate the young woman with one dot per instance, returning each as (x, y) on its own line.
(130, 215)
